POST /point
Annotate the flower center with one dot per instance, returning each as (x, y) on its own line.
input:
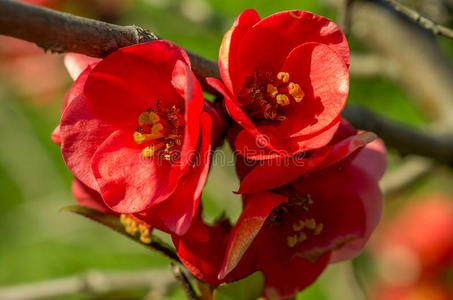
(292, 214)
(263, 96)
(162, 131)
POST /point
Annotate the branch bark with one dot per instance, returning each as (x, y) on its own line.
(403, 138)
(425, 22)
(184, 282)
(92, 283)
(61, 32)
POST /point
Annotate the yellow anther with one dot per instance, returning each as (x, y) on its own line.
(156, 130)
(148, 152)
(302, 237)
(283, 100)
(139, 137)
(295, 91)
(292, 240)
(272, 90)
(310, 223)
(145, 234)
(298, 226)
(130, 225)
(148, 117)
(318, 229)
(283, 76)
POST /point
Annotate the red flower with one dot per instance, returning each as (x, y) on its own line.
(414, 251)
(133, 130)
(285, 80)
(292, 232)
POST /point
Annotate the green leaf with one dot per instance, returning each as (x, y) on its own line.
(114, 223)
(249, 288)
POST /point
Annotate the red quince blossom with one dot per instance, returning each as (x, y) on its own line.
(291, 232)
(285, 80)
(414, 251)
(134, 131)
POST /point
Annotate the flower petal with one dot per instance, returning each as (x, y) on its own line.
(180, 208)
(372, 159)
(81, 134)
(189, 89)
(88, 197)
(324, 79)
(346, 147)
(257, 208)
(76, 63)
(132, 79)
(128, 182)
(266, 45)
(230, 44)
(274, 173)
(286, 280)
(203, 259)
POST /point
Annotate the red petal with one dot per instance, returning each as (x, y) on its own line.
(230, 43)
(81, 134)
(317, 140)
(203, 259)
(179, 209)
(233, 107)
(132, 79)
(188, 87)
(88, 197)
(257, 208)
(55, 137)
(344, 148)
(273, 173)
(372, 201)
(372, 159)
(265, 46)
(76, 63)
(128, 182)
(269, 145)
(286, 280)
(346, 201)
(77, 88)
(324, 79)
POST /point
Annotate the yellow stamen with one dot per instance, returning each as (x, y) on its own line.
(283, 100)
(272, 90)
(139, 137)
(298, 226)
(302, 237)
(310, 223)
(148, 117)
(148, 152)
(283, 76)
(145, 234)
(292, 241)
(156, 130)
(318, 229)
(130, 225)
(295, 91)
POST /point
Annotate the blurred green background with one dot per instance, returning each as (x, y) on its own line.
(39, 243)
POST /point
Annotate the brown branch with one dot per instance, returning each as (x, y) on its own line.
(421, 20)
(403, 138)
(93, 283)
(62, 32)
(408, 173)
(184, 282)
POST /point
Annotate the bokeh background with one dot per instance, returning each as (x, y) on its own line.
(409, 258)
